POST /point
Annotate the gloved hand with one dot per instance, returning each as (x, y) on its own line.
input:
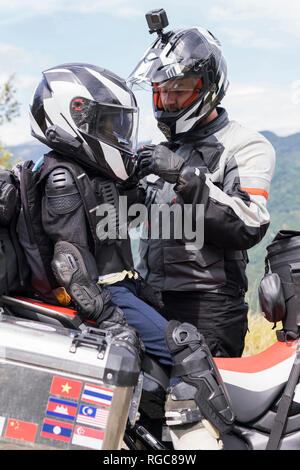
(151, 296)
(160, 161)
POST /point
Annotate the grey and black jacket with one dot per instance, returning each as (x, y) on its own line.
(232, 184)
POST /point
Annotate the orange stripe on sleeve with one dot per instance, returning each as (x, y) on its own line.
(256, 192)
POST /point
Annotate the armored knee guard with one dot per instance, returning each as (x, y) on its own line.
(200, 395)
(93, 301)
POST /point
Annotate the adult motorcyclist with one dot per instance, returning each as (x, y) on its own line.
(89, 117)
(211, 162)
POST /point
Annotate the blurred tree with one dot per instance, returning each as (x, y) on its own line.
(9, 108)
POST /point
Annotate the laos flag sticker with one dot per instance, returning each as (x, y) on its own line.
(57, 430)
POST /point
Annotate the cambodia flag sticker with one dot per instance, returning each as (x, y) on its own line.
(59, 408)
(66, 387)
(57, 430)
(21, 430)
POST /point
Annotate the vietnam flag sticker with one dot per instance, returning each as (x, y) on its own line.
(21, 430)
(66, 387)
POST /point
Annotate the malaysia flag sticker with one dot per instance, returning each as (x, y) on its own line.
(57, 430)
(21, 430)
(92, 415)
(98, 395)
(65, 387)
(88, 437)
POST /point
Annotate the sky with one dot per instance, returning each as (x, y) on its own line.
(260, 40)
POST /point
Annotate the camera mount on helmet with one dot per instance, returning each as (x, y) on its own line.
(157, 20)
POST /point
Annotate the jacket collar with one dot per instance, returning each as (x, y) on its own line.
(201, 132)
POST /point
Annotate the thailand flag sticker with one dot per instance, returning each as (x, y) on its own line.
(65, 387)
(88, 437)
(59, 408)
(98, 395)
(57, 430)
(94, 416)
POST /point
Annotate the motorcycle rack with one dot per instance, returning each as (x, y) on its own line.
(72, 323)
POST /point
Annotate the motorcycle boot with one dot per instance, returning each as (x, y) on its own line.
(93, 301)
(198, 408)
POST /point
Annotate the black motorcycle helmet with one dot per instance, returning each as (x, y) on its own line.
(175, 55)
(88, 114)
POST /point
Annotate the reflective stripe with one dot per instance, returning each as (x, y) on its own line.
(256, 192)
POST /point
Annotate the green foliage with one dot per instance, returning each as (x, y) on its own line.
(9, 108)
(283, 205)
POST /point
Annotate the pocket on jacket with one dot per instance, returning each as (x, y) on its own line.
(194, 270)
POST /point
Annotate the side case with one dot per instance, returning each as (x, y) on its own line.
(65, 389)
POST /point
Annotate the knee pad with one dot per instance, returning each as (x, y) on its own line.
(200, 380)
(70, 271)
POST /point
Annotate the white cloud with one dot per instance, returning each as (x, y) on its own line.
(237, 10)
(282, 15)
(16, 132)
(269, 107)
(11, 57)
(250, 38)
(13, 11)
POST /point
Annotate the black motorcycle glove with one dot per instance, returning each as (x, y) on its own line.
(160, 161)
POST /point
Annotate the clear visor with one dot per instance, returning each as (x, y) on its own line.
(155, 67)
(115, 124)
(177, 85)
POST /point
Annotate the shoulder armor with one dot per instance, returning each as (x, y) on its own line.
(60, 182)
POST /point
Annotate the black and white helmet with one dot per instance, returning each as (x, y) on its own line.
(87, 113)
(185, 53)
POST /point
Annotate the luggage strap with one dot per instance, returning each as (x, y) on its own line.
(285, 403)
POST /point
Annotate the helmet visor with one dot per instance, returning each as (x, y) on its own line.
(116, 125)
(183, 55)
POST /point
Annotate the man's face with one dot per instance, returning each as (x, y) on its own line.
(175, 94)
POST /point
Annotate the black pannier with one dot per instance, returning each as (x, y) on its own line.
(279, 292)
(13, 268)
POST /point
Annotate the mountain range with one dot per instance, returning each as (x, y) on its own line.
(283, 202)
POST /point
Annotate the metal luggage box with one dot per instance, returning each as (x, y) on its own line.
(64, 389)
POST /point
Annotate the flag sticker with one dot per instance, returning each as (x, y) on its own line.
(21, 430)
(87, 437)
(94, 416)
(2, 421)
(61, 408)
(97, 395)
(65, 387)
(57, 430)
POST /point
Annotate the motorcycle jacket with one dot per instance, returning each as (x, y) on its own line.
(70, 199)
(229, 173)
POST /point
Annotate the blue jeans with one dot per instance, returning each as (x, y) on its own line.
(143, 318)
